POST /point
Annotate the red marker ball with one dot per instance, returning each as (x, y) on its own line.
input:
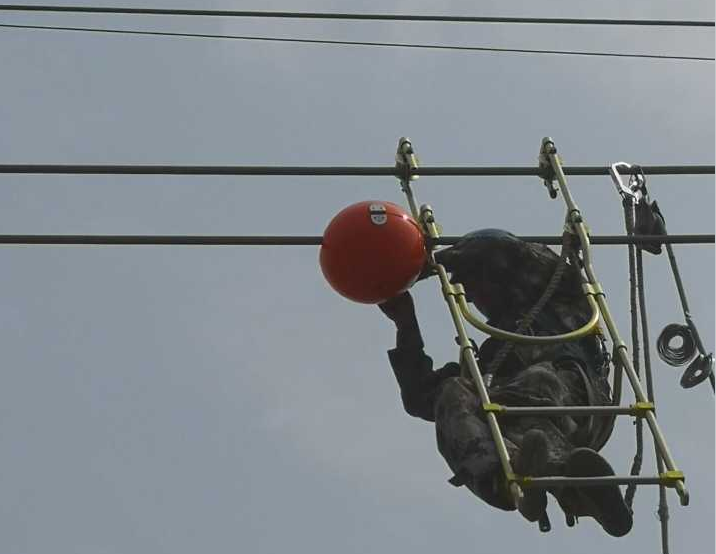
(372, 251)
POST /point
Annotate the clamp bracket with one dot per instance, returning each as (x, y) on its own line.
(406, 162)
(636, 189)
(545, 169)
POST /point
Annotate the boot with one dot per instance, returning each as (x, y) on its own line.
(532, 461)
(604, 503)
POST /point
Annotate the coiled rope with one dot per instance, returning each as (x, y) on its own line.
(680, 354)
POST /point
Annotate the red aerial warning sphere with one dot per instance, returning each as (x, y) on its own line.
(372, 251)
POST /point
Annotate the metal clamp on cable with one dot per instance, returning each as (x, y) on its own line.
(648, 219)
(633, 191)
(406, 162)
(545, 169)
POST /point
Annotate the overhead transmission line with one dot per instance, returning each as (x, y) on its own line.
(353, 16)
(356, 171)
(355, 43)
(311, 240)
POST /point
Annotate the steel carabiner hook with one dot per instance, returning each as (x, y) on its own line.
(636, 189)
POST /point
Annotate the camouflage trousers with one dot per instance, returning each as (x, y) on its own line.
(465, 441)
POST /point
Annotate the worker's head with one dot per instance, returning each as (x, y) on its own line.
(482, 262)
(503, 274)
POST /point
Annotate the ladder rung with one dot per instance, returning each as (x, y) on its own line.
(540, 482)
(634, 410)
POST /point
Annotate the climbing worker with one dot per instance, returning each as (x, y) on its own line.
(504, 277)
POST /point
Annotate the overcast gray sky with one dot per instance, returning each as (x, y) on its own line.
(225, 399)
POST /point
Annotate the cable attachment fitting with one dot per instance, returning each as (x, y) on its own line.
(648, 219)
(406, 162)
(545, 169)
(637, 181)
(699, 370)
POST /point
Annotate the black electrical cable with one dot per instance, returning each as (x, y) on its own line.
(356, 43)
(354, 16)
(314, 240)
(352, 171)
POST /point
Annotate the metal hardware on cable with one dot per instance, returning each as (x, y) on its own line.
(649, 219)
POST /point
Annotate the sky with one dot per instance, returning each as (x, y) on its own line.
(225, 399)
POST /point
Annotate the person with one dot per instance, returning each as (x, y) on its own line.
(504, 277)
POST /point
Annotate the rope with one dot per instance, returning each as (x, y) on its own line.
(639, 454)
(676, 355)
(663, 511)
(704, 361)
(525, 323)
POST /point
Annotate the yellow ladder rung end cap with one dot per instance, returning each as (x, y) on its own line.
(521, 480)
(492, 407)
(670, 478)
(640, 409)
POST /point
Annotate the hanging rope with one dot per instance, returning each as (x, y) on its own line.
(639, 454)
(663, 511)
(525, 323)
(702, 366)
(638, 214)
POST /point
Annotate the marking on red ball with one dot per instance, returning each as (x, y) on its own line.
(378, 214)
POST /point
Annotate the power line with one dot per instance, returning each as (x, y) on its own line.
(355, 16)
(357, 43)
(313, 240)
(491, 171)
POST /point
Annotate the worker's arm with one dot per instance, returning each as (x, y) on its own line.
(412, 367)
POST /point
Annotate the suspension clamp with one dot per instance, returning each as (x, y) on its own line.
(636, 189)
(426, 214)
(545, 169)
(406, 162)
(491, 407)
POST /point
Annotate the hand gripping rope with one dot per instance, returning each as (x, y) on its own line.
(454, 294)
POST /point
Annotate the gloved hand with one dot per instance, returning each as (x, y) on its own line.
(399, 309)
